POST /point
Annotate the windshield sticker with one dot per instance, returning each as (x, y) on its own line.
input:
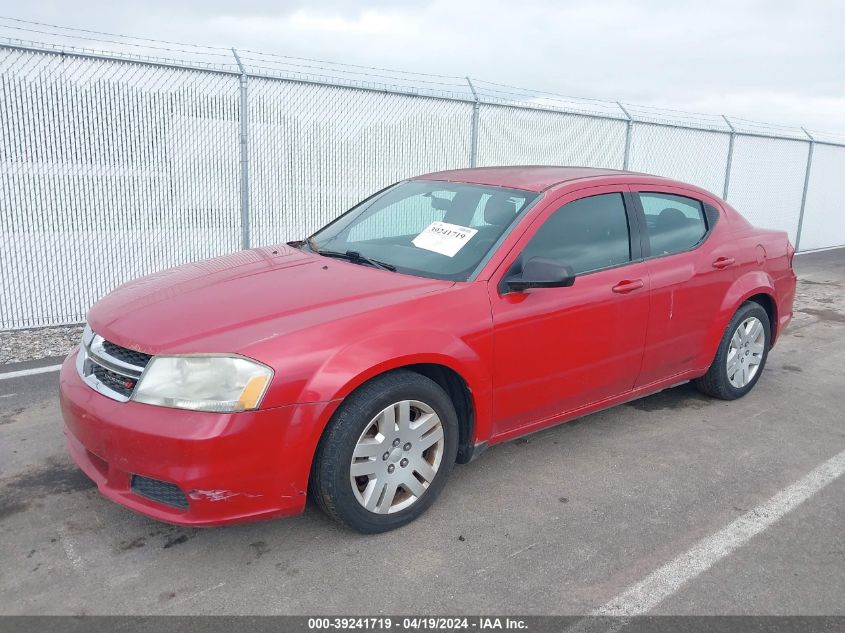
(444, 238)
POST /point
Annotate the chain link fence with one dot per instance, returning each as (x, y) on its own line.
(114, 166)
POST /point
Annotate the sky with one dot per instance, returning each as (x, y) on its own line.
(777, 62)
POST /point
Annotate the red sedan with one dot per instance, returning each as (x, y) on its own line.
(444, 314)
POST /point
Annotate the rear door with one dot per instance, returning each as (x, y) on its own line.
(690, 255)
(558, 349)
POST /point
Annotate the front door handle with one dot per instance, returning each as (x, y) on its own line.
(628, 285)
(723, 262)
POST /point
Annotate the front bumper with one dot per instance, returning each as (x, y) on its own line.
(231, 468)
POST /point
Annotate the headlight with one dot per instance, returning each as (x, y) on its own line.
(204, 383)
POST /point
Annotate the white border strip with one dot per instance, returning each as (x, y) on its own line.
(659, 585)
(29, 372)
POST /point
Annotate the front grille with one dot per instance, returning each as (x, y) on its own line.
(161, 491)
(110, 369)
(130, 356)
(113, 380)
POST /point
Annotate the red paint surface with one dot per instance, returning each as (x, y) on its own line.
(325, 326)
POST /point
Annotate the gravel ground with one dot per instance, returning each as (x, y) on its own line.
(22, 345)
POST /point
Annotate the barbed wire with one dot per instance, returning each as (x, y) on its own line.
(211, 58)
(360, 66)
(95, 53)
(344, 71)
(540, 92)
(132, 37)
(228, 49)
(121, 43)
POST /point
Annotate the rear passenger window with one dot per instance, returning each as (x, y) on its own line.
(673, 223)
(586, 234)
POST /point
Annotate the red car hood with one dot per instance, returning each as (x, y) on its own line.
(229, 303)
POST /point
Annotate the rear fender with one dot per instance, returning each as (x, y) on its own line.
(751, 283)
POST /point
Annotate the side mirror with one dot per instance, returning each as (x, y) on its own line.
(541, 272)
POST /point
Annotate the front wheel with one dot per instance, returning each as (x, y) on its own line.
(741, 356)
(386, 453)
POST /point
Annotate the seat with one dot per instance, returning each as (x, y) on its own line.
(499, 210)
(462, 208)
(671, 219)
(674, 232)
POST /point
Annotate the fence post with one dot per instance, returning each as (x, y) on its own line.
(806, 186)
(473, 150)
(244, 116)
(730, 159)
(628, 132)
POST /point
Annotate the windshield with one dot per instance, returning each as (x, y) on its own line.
(429, 228)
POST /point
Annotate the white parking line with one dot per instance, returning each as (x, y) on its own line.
(659, 585)
(29, 372)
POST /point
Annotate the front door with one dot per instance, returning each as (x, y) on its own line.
(559, 349)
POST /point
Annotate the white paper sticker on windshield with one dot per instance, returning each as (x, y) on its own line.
(444, 238)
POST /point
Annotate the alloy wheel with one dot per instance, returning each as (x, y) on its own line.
(746, 352)
(397, 457)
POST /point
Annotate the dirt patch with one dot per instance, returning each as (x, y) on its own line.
(179, 536)
(11, 416)
(135, 543)
(260, 548)
(818, 283)
(176, 540)
(825, 314)
(9, 507)
(56, 477)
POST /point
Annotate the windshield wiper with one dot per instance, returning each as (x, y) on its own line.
(351, 256)
(356, 258)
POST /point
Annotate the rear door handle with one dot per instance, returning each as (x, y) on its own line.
(723, 262)
(628, 285)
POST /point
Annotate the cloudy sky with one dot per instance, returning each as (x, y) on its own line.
(774, 61)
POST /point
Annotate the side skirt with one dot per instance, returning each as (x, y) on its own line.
(634, 394)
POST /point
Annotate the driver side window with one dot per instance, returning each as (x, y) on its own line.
(587, 234)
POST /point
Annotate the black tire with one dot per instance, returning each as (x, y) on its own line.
(330, 483)
(715, 382)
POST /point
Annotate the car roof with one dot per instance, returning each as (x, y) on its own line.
(528, 177)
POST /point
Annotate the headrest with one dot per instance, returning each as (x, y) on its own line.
(499, 210)
(671, 218)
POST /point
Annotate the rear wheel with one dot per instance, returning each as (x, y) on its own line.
(387, 452)
(741, 356)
